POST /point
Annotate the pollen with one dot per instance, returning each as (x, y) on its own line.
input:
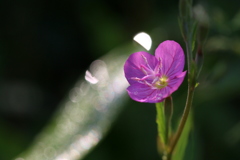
(162, 82)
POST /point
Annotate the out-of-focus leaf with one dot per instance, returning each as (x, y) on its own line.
(183, 140)
(87, 113)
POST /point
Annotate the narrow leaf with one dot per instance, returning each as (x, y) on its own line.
(183, 141)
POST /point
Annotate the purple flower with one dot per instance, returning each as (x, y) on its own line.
(154, 78)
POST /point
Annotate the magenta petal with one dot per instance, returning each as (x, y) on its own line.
(172, 57)
(135, 62)
(143, 93)
(163, 93)
(176, 81)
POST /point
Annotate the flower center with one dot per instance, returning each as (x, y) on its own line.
(162, 82)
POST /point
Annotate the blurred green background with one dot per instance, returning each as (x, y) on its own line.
(46, 45)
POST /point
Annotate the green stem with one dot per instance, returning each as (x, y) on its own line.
(164, 116)
(168, 111)
(161, 124)
(183, 120)
(162, 129)
(188, 105)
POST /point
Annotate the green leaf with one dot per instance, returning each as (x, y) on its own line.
(183, 141)
(86, 114)
(193, 34)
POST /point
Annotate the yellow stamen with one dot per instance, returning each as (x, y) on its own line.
(162, 82)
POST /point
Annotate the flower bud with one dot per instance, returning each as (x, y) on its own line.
(202, 33)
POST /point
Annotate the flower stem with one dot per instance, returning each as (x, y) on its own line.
(183, 120)
(191, 88)
(161, 124)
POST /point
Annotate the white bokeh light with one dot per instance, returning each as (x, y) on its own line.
(90, 78)
(144, 40)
